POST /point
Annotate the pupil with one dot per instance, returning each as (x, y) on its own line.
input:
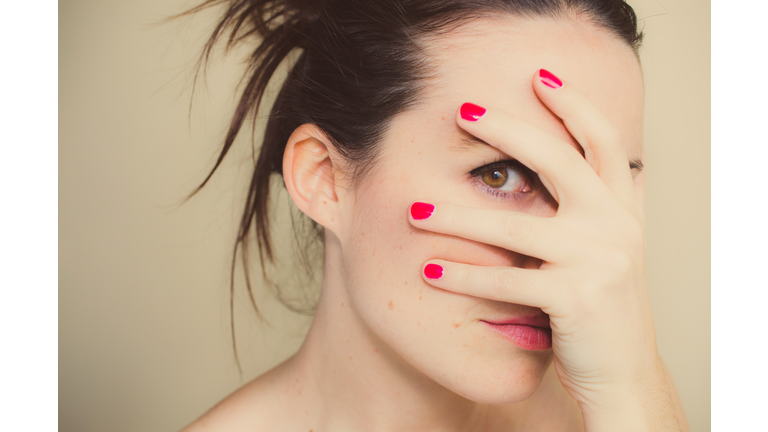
(495, 178)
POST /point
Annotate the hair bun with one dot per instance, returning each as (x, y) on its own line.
(302, 14)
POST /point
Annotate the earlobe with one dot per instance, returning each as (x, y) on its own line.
(310, 175)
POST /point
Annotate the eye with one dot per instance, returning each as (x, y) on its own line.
(505, 178)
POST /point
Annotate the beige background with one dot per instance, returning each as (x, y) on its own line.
(144, 313)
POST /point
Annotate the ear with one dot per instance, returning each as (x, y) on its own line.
(310, 176)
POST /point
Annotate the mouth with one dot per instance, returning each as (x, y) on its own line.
(531, 333)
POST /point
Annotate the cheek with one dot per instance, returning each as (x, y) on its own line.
(383, 258)
(385, 254)
(434, 330)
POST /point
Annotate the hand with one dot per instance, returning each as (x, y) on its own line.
(592, 283)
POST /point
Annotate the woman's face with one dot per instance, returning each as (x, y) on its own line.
(426, 157)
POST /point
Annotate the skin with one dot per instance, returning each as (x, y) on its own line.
(390, 349)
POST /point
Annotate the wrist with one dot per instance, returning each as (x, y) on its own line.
(644, 404)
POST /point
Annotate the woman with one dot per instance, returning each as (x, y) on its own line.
(476, 169)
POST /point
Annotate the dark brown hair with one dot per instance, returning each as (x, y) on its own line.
(362, 63)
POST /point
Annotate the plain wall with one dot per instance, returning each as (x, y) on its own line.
(144, 336)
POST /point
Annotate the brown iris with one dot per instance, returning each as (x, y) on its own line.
(495, 177)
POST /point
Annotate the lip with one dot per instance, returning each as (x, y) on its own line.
(531, 333)
(532, 320)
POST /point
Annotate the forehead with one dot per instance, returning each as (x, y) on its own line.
(491, 62)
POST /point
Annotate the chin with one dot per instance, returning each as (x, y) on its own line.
(505, 382)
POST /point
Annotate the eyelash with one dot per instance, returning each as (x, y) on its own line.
(512, 164)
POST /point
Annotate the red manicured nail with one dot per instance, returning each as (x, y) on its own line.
(471, 112)
(420, 210)
(433, 271)
(549, 79)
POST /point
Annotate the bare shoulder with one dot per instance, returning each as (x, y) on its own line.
(550, 409)
(254, 406)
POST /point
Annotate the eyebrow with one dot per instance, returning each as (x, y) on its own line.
(636, 164)
(467, 143)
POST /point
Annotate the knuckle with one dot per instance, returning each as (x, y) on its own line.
(621, 263)
(450, 218)
(617, 267)
(501, 280)
(635, 236)
(463, 276)
(517, 228)
(610, 134)
(567, 162)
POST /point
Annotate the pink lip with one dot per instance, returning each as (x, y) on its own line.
(533, 320)
(531, 333)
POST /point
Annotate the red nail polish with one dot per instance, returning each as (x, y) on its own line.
(433, 271)
(549, 79)
(471, 112)
(420, 210)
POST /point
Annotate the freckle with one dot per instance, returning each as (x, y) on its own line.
(350, 357)
(442, 118)
(397, 393)
(406, 282)
(298, 392)
(342, 304)
(391, 305)
(419, 297)
(297, 380)
(456, 325)
(324, 202)
(465, 346)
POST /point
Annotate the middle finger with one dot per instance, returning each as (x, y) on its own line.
(523, 233)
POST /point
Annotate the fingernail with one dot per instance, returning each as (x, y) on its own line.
(420, 210)
(549, 79)
(471, 112)
(433, 271)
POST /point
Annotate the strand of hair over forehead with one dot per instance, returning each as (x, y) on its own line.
(362, 63)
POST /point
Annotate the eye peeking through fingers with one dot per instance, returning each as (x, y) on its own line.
(507, 179)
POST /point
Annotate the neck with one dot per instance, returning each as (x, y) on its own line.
(352, 380)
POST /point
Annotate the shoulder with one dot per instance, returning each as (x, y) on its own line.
(254, 406)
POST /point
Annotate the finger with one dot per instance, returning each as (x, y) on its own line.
(561, 167)
(530, 235)
(598, 136)
(529, 287)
